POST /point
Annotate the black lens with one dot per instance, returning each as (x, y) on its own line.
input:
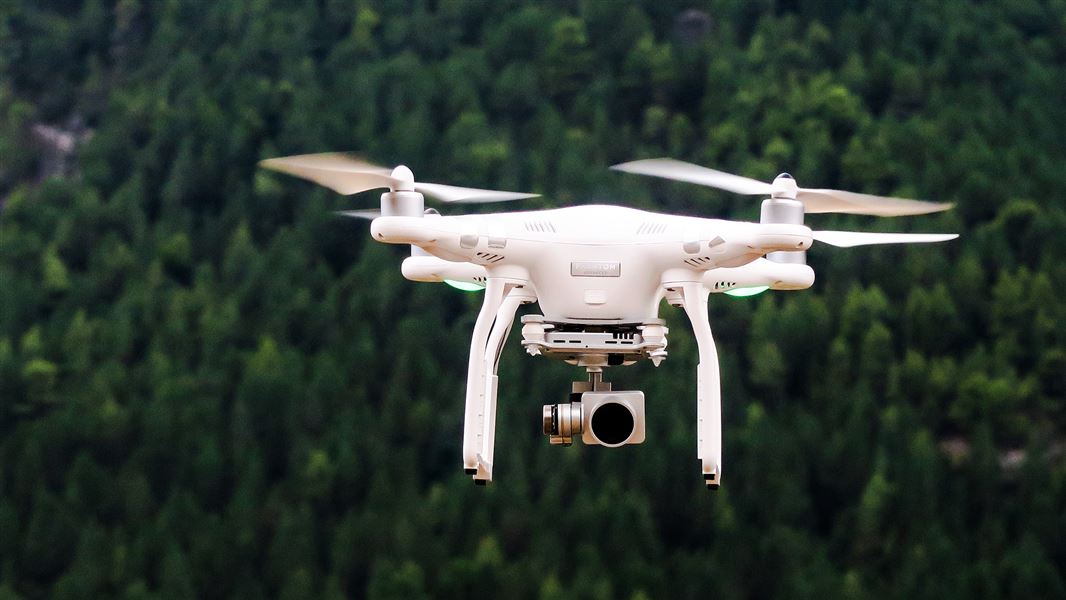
(612, 423)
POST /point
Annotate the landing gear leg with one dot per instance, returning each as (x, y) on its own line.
(502, 298)
(485, 434)
(708, 385)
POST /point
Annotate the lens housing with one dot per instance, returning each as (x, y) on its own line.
(613, 418)
(561, 422)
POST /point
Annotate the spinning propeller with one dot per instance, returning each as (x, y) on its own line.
(784, 186)
(849, 239)
(348, 175)
(781, 206)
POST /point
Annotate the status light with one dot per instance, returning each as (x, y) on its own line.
(748, 291)
(464, 285)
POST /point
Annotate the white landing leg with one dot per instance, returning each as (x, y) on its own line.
(475, 374)
(708, 385)
(485, 432)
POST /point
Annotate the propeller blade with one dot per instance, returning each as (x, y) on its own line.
(837, 201)
(848, 239)
(339, 172)
(345, 174)
(333, 160)
(814, 200)
(451, 193)
(682, 171)
(359, 214)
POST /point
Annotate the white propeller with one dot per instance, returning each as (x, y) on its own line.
(347, 175)
(848, 239)
(669, 168)
(814, 200)
(371, 214)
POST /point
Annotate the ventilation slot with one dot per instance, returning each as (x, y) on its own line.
(651, 228)
(490, 257)
(540, 226)
(699, 262)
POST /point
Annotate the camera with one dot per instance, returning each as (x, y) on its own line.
(604, 418)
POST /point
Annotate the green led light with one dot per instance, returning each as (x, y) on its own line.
(465, 286)
(748, 291)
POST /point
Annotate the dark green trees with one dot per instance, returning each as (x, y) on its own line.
(210, 387)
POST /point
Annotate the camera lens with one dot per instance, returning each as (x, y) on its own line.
(612, 423)
(550, 418)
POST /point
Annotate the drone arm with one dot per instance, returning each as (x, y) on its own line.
(708, 384)
(445, 237)
(759, 272)
(434, 269)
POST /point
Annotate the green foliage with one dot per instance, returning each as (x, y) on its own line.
(209, 387)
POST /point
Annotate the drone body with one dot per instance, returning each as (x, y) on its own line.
(592, 264)
(599, 275)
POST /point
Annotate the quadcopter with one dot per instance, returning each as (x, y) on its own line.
(599, 274)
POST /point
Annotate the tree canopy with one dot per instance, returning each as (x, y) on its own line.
(211, 387)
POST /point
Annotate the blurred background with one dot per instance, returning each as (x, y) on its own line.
(212, 387)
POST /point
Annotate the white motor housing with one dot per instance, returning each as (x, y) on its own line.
(783, 207)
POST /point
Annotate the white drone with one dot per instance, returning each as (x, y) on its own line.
(599, 274)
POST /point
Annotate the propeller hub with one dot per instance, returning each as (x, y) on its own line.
(784, 186)
(405, 179)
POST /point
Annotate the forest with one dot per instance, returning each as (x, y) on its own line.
(213, 387)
